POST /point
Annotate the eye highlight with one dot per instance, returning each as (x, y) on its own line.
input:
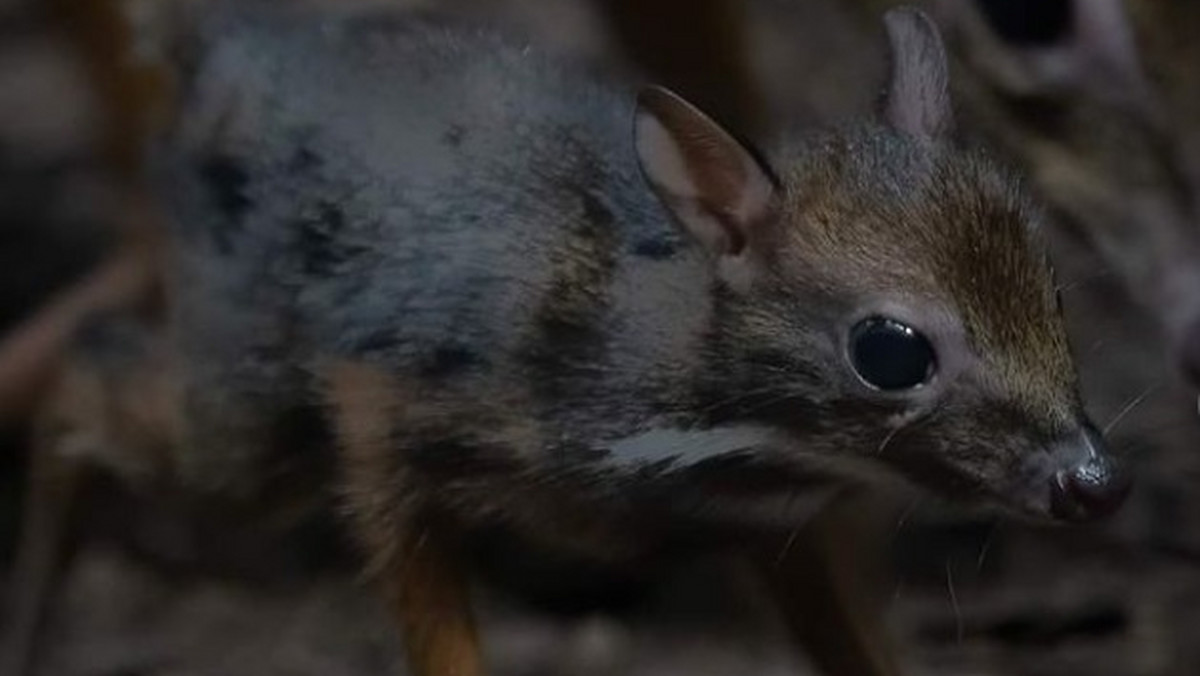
(889, 355)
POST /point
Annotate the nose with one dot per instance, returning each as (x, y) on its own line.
(1090, 484)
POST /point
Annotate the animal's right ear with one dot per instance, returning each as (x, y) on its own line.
(715, 187)
(918, 92)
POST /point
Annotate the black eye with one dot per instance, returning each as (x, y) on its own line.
(889, 355)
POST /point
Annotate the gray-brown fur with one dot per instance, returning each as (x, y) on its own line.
(450, 207)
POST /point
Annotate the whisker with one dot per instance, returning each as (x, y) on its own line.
(1171, 426)
(787, 547)
(958, 620)
(1132, 404)
(904, 516)
(1096, 345)
(773, 387)
(920, 420)
(771, 401)
(987, 546)
(1087, 279)
(790, 372)
(888, 439)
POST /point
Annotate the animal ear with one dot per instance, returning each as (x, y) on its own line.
(1104, 41)
(715, 187)
(1035, 47)
(918, 92)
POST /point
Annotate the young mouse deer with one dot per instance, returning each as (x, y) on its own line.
(531, 299)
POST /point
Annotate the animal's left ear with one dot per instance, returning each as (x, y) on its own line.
(917, 101)
(714, 186)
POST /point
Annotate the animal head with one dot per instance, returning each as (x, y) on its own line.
(883, 300)
(1100, 100)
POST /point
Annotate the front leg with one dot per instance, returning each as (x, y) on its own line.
(412, 557)
(822, 579)
(428, 593)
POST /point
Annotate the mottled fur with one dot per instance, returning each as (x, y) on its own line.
(453, 209)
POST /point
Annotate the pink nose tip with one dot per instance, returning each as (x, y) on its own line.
(1092, 485)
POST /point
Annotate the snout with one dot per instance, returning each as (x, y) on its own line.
(1087, 483)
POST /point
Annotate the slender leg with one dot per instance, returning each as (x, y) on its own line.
(428, 593)
(823, 580)
(43, 551)
(101, 408)
(412, 559)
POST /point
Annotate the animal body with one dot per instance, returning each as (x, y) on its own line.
(522, 296)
